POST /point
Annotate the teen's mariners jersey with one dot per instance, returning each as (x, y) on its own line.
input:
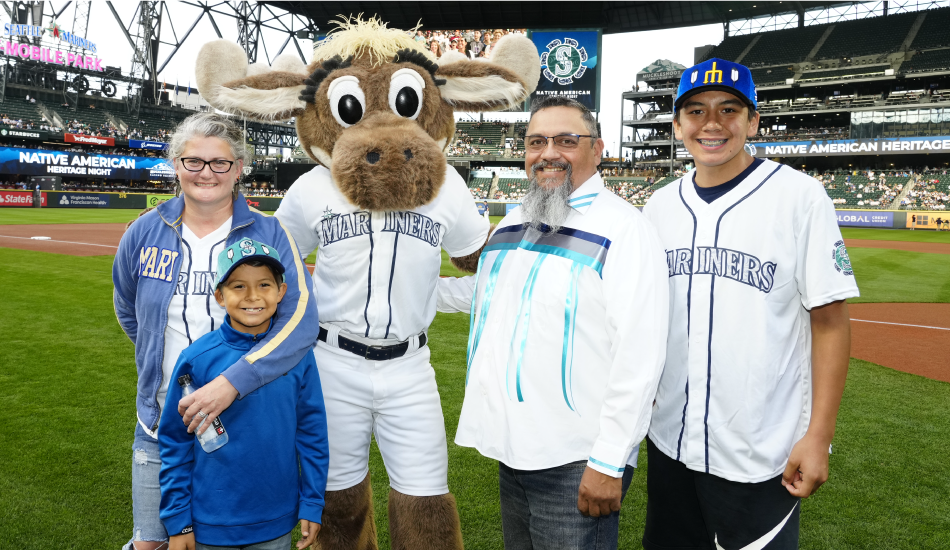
(745, 270)
(376, 272)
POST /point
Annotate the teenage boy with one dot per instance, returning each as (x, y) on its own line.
(250, 492)
(759, 334)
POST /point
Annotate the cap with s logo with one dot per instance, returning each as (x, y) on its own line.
(242, 252)
(717, 74)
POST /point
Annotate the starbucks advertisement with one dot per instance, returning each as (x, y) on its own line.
(569, 65)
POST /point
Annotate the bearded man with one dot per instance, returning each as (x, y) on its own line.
(568, 338)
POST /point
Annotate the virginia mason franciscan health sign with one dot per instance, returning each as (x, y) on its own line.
(569, 65)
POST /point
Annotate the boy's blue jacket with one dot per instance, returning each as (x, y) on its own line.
(248, 491)
(145, 273)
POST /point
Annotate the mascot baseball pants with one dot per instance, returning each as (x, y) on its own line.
(395, 400)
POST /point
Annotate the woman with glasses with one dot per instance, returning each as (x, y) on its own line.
(164, 276)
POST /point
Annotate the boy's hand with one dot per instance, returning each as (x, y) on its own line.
(807, 467)
(308, 532)
(210, 399)
(182, 542)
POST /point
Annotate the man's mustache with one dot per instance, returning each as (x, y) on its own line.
(538, 166)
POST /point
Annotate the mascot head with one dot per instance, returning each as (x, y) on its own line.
(373, 106)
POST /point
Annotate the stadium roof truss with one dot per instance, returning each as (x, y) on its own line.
(612, 17)
(251, 18)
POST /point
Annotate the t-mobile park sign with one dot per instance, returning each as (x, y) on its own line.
(50, 55)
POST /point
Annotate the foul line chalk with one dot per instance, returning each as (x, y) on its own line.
(41, 238)
(55, 241)
(899, 324)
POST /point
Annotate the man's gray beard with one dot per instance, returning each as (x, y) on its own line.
(547, 206)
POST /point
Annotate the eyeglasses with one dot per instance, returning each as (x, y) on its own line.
(564, 142)
(218, 166)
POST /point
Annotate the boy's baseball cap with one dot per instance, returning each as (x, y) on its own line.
(244, 251)
(717, 74)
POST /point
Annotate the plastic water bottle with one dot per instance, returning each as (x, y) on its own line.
(214, 437)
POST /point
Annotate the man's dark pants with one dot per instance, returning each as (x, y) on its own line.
(539, 510)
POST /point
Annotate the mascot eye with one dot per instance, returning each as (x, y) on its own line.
(405, 93)
(347, 101)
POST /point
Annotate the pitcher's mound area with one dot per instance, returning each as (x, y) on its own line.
(913, 338)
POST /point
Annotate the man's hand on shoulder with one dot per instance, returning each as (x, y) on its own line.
(599, 494)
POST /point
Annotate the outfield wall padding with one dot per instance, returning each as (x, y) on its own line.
(881, 219)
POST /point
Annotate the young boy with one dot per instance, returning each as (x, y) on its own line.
(247, 493)
(759, 333)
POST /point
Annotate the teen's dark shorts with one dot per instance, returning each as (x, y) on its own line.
(694, 510)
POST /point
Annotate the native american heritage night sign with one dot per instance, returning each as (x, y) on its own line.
(50, 54)
(842, 147)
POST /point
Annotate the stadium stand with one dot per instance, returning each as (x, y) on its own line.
(841, 74)
(731, 47)
(875, 35)
(933, 60)
(931, 192)
(771, 76)
(784, 46)
(934, 32)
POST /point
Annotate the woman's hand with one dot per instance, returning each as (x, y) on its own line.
(211, 399)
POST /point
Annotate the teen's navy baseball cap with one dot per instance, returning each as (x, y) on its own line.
(244, 251)
(717, 74)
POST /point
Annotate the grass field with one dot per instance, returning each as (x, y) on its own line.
(67, 388)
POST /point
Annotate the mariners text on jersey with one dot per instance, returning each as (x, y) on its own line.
(344, 226)
(723, 262)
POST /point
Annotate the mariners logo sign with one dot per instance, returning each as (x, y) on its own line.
(564, 61)
(842, 260)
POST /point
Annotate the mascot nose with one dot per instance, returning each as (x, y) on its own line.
(408, 153)
(372, 157)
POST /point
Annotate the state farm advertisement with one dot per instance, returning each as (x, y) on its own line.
(19, 198)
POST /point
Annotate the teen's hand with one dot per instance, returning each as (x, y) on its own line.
(308, 532)
(182, 542)
(211, 399)
(807, 467)
(599, 494)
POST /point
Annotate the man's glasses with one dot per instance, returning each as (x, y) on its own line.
(564, 142)
(218, 166)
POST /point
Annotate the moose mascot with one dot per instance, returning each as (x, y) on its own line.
(377, 113)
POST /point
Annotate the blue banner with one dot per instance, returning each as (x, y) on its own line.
(848, 147)
(569, 65)
(83, 200)
(35, 162)
(865, 218)
(153, 145)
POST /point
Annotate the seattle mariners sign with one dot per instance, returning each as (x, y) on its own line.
(569, 65)
(564, 61)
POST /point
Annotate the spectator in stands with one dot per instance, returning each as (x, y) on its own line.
(208, 149)
(420, 37)
(436, 48)
(476, 46)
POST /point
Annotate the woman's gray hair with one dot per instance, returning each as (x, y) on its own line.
(204, 125)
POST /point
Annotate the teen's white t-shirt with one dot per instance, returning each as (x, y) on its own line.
(193, 311)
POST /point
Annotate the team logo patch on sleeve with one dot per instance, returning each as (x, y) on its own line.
(842, 260)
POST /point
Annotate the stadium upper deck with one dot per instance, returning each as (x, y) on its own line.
(877, 78)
